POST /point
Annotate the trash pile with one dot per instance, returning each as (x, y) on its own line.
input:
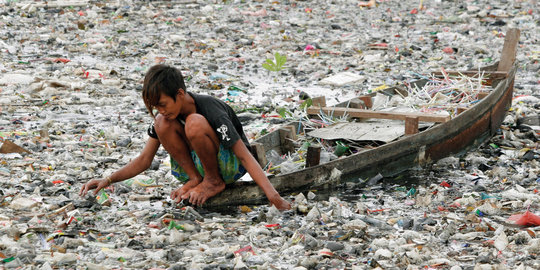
(70, 111)
(446, 94)
(433, 95)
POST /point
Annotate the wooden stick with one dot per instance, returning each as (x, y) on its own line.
(313, 157)
(319, 101)
(508, 55)
(411, 125)
(285, 135)
(293, 131)
(258, 151)
(367, 100)
(359, 113)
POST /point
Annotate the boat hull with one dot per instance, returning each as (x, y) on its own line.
(457, 136)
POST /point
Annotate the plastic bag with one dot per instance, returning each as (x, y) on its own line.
(526, 219)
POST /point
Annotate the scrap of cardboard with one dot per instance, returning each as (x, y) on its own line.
(10, 147)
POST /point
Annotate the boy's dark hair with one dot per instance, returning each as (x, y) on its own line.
(161, 79)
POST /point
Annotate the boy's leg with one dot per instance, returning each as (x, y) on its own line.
(172, 136)
(203, 139)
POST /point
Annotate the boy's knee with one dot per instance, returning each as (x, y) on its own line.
(196, 125)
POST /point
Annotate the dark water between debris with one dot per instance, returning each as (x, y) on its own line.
(353, 189)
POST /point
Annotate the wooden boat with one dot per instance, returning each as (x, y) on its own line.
(470, 128)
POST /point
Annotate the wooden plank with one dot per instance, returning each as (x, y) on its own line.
(356, 103)
(367, 100)
(313, 156)
(461, 110)
(498, 111)
(293, 132)
(383, 131)
(285, 137)
(482, 95)
(411, 125)
(508, 55)
(319, 101)
(359, 113)
(259, 153)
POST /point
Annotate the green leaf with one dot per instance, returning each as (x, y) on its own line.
(282, 112)
(277, 57)
(268, 67)
(276, 64)
(280, 60)
(306, 104)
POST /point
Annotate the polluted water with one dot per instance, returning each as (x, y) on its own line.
(71, 110)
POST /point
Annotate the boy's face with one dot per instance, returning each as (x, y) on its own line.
(168, 107)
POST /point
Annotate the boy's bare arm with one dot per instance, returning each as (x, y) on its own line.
(133, 168)
(257, 173)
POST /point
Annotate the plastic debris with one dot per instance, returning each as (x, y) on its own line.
(102, 197)
(342, 79)
(70, 97)
(526, 219)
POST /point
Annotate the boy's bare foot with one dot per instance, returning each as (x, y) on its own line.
(176, 195)
(206, 189)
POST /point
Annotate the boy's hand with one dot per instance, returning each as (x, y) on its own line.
(94, 183)
(280, 203)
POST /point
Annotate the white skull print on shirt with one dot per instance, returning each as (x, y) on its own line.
(223, 130)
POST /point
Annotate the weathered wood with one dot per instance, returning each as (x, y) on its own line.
(508, 55)
(292, 128)
(285, 137)
(469, 129)
(313, 156)
(257, 149)
(356, 103)
(411, 125)
(367, 101)
(360, 113)
(499, 110)
(461, 110)
(482, 95)
(319, 101)
(474, 126)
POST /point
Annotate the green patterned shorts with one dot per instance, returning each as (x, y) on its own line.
(230, 167)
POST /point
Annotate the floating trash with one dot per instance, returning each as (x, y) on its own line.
(71, 111)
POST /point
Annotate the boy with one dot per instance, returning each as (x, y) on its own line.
(203, 136)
